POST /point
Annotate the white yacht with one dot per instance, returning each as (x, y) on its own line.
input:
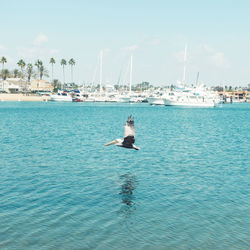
(100, 98)
(118, 97)
(124, 98)
(61, 96)
(136, 98)
(90, 98)
(191, 98)
(155, 100)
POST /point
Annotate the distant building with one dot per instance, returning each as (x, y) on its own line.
(40, 85)
(235, 96)
(12, 85)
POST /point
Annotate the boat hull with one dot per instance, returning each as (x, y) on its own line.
(155, 101)
(190, 104)
(58, 98)
(124, 99)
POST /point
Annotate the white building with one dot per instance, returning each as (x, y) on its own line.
(12, 85)
(40, 85)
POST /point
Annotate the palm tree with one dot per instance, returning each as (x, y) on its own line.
(43, 72)
(72, 63)
(3, 61)
(63, 63)
(16, 73)
(56, 83)
(52, 61)
(21, 64)
(38, 64)
(5, 73)
(29, 71)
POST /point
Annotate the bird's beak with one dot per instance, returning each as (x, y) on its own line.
(110, 143)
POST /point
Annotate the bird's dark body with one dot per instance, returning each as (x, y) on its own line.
(128, 141)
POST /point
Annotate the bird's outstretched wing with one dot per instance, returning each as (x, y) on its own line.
(129, 132)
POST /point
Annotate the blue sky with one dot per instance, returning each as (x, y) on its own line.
(217, 34)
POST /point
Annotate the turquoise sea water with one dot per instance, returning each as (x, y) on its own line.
(60, 188)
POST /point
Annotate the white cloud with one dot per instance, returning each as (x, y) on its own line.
(131, 48)
(40, 39)
(36, 52)
(216, 57)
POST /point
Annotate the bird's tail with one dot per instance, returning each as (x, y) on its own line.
(135, 147)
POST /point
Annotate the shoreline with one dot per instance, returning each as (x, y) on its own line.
(23, 97)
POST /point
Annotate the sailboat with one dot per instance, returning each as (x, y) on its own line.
(190, 97)
(126, 97)
(100, 97)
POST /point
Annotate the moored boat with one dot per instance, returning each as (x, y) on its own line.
(61, 96)
(155, 101)
(191, 98)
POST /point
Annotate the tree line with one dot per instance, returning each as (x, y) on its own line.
(28, 70)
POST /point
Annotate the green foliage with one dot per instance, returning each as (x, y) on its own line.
(63, 62)
(38, 64)
(21, 64)
(52, 60)
(29, 71)
(218, 88)
(3, 60)
(142, 86)
(16, 73)
(5, 73)
(42, 71)
(56, 84)
(72, 62)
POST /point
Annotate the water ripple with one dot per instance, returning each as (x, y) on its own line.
(187, 188)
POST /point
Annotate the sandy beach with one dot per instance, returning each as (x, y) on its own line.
(23, 97)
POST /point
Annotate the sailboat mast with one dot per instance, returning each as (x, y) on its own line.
(131, 69)
(184, 69)
(101, 54)
(96, 68)
(197, 78)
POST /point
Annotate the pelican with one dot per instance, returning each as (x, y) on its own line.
(129, 136)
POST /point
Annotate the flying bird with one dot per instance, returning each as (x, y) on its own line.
(129, 136)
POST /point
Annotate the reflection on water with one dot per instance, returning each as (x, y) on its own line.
(128, 187)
